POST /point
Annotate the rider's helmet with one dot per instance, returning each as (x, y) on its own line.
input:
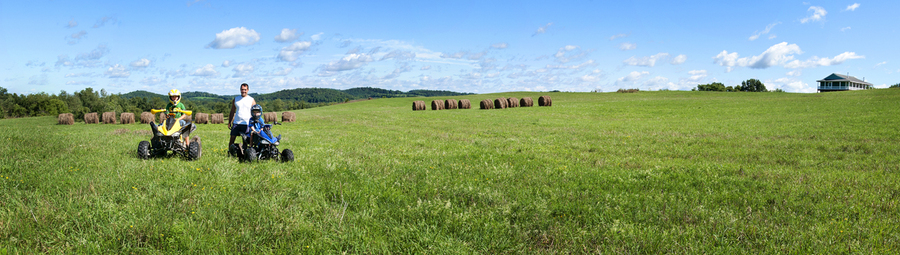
(255, 112)
(174, 93)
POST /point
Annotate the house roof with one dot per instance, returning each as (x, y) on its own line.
(838, 77)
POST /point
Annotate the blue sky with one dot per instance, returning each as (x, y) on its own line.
(464, 46)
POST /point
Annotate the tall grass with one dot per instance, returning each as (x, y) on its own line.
(648, 172)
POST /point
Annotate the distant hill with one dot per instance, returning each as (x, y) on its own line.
(309, 95)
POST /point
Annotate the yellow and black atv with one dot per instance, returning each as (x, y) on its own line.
(170, 136)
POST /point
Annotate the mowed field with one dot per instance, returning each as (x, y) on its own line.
(647, 172)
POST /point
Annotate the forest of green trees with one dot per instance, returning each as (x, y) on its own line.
(751, 85)
(88, 100)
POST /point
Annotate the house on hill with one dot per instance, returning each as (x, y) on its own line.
(837, 82)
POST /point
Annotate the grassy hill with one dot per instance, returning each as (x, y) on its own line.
(647, 172)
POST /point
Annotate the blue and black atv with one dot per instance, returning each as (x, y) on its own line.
(259, 143)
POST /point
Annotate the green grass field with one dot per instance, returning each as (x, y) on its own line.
(648, 172)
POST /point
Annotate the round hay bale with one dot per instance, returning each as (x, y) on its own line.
(147, 118)
(418, 106)
(65, 119)
(465, 104)
(217, 118)
(437, 105)
(288, 117)
(450, 104)
(270, 117)
(500, 103)
(126, 118)
(91, 118)
(109, 118)
(545, 101)
(526, 102)
(512, 102)
(202, 118)
(487, 104)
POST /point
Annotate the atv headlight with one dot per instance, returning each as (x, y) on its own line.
(176, 134)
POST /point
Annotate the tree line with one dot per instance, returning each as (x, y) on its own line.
(751, 85)
(88, 100)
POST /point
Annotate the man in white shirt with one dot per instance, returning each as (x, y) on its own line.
(240, 113)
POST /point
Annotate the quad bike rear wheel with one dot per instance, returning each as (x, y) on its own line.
(143, 150)
(287, 155)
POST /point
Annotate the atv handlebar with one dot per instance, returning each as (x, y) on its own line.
(155, 111)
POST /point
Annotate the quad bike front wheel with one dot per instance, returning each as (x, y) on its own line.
(194, 150)
(250, 155)
(287, 155)
(143, 150)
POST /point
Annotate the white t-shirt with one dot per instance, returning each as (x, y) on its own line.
(242, 104)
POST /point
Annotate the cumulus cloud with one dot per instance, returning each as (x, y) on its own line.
(795, 73)
(349, 62)
(627, 46)
(140, 63)
(117, 71)
(766, 31)
(287, 35)
(852, 7)
(543, 29)
(790, 85)
(152, 80)
(402, 69)
(680, 59)
(242, 70)
(697, 75)
(569, 53)
(76, 37)
(594, 76)
(228, 39)
(316, 37)
(292, 52)
(425, 67)
(72, 24)
(776, 55)
(646, 61)
(499, 46)
(631, 78)
(816, 61)
(226, 63)
(208, 71)
(280, 71)
(818, 14)
(617, 36)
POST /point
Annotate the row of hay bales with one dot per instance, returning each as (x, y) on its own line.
(146, 118)
(499, 103)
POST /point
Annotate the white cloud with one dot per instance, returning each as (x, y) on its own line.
(316, 37)
(78, 35)
(425, 67)
(680, 59)
(72, 23)
(882, 63)
(790, 85)
(627, 46)
(617, 36)
(242, 70)
(569, 53)
(477, 55)
(499, 46)
(816, 61)
(228, 39)
(351, 61)
(397, 72)
(281, 71)
(776, 55)
(292, 52)
(69, 75)
(399, 55)
(103, 21)
(287, 35)
(457, 55)
(852, 7)
(208, 70)
(646, 61)
(795, 73)
(152, 80)
(117, 71)
(140, 63)
(575, 67)
(818, 14)
(766, 31)
(226, 63)
(845, 29)
(632, 77)
(594, 76)
(697, 75)
(543, 29)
